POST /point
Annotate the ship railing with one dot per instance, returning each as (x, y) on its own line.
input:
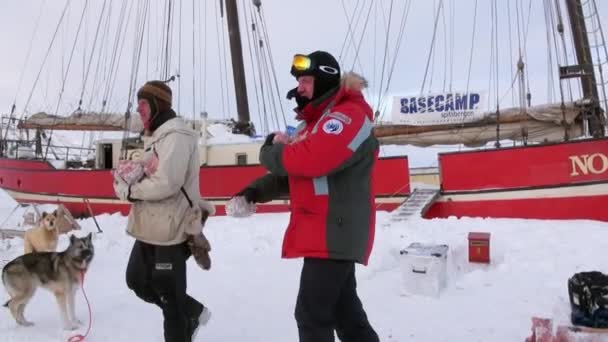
(14, 149)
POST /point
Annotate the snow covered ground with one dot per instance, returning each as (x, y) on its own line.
(251, 291)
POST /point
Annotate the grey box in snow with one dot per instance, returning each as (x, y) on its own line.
(424, 268)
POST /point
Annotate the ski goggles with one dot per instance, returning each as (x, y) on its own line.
(301, 63)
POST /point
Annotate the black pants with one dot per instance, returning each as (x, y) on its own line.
(328, 301)
(157, 275)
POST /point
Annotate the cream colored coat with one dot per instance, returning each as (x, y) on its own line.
(161, 214)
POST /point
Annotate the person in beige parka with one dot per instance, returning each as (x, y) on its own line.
(166, 216)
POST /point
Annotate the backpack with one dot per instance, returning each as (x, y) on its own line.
(588, 293)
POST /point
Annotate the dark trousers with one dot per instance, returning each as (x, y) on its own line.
(157, 275)
(328, 301)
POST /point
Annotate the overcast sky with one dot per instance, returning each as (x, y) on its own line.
(292, 27)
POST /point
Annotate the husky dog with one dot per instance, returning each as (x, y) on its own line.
(43, 237)
(59, 272)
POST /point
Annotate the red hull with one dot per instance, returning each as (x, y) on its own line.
(556, 181)
(38, 182)
(520, 167)
(568, 208)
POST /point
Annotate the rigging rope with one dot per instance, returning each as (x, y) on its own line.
(525, 71)
(472, 46)
(204, 59)
(390, 17)
(558, 12)
(272, 103)
(168, 40)
(375, 48)
(558, 58)
(257, 42)
(161, 43)
(114, 71)
(550, 66)
(369, 11)
(249, 23)
(405, 15)
(29, 51)
(88, 68)
(139, 41)
(349, 33)
(522, 58)
(46, 56)
(13, 107)
(452, 40)
(101, 60)
(490, 83)
(271, 60)
(551, 27)
(495, 30)
(220, 59)
(511, 49)
(348, 22)
(428, 61)
(223, 34)
(140, 27)
(65, 77)
(598, 44)
(445, 49)
(115, 57)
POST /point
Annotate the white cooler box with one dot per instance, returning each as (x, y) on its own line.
(424, 269)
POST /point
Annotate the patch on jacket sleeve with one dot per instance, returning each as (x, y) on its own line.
(164, 266)
(342, 117)
(333, 126)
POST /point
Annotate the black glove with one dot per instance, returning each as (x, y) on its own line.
(250, 194)
(300, 100)
(269, 139)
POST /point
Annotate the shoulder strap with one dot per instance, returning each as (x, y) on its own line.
(187, 197)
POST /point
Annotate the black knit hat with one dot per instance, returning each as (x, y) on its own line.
(325, 69)
(158, 94)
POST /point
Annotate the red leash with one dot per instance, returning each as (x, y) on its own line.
(80, 338)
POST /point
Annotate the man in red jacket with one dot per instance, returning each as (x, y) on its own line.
(326, 168)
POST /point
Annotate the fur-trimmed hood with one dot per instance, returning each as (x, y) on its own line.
(351, 81)
(351, 87)
(351, 90)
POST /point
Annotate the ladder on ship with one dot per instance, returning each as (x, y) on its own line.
(416, 205)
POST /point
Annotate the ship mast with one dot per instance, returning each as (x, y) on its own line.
(584, 70)
(243, 125)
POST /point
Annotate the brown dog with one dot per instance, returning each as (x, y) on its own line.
(43, 237)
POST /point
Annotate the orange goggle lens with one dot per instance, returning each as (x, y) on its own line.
(301, 63)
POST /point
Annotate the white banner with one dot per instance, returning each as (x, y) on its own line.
(438, 109)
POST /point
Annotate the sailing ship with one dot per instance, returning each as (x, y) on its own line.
(559, 170)
(37, 171)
